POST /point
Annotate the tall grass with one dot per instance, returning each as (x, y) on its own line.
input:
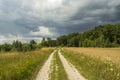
(57, 69)
(22, 66)
(102, 53)
(91, 68)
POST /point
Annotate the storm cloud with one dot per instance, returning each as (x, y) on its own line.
(34, 19)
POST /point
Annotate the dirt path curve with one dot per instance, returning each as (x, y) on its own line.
(71, 71)
(44, 72)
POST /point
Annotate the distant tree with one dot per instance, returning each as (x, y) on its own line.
(17, 45)
(33, 45)
(26, 47)
(0, 47)
(74, 42)
(87, 43)
(6, 47)
(118, 40)
(100, 42)
(62, 40)
(39, 46)
(44, 43)
(108, 43)
(33, 42)
(49, 42)
(101, 36)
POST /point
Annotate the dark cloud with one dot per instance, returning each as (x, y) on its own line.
(96, 13)
(27, 17)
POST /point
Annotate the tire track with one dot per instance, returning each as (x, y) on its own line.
(71, 71)
(44, 72)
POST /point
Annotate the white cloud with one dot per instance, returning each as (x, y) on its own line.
(9, 38)
(23, 16)
(42, 31)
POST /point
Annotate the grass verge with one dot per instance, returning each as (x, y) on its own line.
(92, 69)
(57, 70)
(22, 66)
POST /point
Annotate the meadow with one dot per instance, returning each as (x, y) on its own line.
(95, 63)
(112, 54)
(22, 66)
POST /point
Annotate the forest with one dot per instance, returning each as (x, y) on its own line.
(107, 35)
(101, 36)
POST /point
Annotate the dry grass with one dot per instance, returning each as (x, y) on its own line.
(95, 63)
(112, 54)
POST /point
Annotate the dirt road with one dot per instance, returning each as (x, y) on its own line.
(44, 72)
(71, 71)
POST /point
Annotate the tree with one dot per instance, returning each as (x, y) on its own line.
(26, 47)
(17, 45)
(39, 45)
(44, 42)
(6, 47)
(99, 42)
(33, 45)
(49, 42)
(87, 43)
(62, 40)
(74, 42)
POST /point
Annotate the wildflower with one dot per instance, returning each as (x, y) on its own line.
(107, 58)
(82, 57)
(111, 64)
(118, 74)
(111, 69)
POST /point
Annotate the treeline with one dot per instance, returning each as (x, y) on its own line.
(19, 46)
(101, 36)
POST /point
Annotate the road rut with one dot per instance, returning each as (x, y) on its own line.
(71, 71)
(44, 72)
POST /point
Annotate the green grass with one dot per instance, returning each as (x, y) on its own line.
(93, 69)
(22, 66)
(57, 69)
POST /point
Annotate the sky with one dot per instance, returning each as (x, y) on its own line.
(33, 19)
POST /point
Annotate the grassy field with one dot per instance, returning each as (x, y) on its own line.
(95, 63)
(22, 66)
(112, 54)
(57, 69)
